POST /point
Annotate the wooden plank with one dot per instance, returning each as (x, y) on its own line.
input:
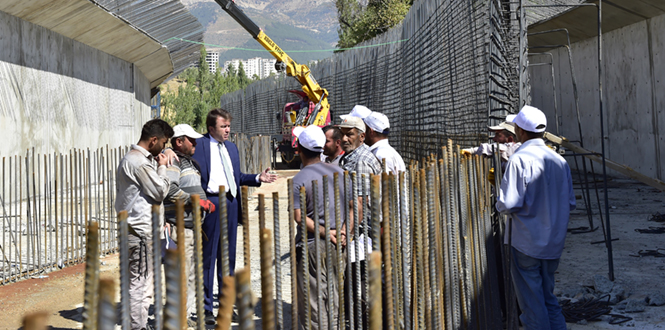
(596, 157)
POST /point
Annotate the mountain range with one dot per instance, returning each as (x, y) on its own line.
(305, 29)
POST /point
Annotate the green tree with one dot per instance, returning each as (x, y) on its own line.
(358, 23)
(198, 92)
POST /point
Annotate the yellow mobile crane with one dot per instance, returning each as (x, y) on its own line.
(318, 96)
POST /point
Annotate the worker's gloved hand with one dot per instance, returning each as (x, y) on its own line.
(207, 205)
(490, 176)
(465, 152)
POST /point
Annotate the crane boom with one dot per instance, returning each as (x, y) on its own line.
(301, 72)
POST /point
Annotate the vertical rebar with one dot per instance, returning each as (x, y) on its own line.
(434, 248)
(356, 278)
(386, 250)
(305, 257)
(405, 250)
(340, 262)
(267, 304)
(278, 262)
(376, 212)
(226, 302)
(244, 299)
(328, 248)
(175, 291)
(123, 242)
(157, 265)
(90, 296)
(182, 261)
(364, 224)
(294, 262)
(348, 210)
(262, 212)
(224, 230)
(106, 313)
(317, 252)
(376, 317)
(198, 262)
(55, 209)
(245, 227)
(395, 248)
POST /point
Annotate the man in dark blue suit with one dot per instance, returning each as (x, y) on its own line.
(220, 165)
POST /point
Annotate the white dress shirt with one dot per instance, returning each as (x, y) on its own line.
(537, 193)
(217, 174)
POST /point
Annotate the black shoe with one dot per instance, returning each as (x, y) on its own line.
(209, 318)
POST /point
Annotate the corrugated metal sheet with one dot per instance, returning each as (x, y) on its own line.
(539, 14)
(137, 31)
(163, 20)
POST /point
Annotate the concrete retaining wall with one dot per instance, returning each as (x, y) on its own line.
(57, 93)
(634, 68)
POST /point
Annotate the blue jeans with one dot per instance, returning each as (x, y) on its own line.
(534, 285)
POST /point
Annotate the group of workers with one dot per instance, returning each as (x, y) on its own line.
(535, 192)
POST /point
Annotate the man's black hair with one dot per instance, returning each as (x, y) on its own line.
(309, 154)
(337, 133)
(156, 128)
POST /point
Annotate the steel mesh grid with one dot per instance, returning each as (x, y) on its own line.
(449, 80)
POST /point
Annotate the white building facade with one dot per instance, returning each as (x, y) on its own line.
(262, 67)
(212, 58)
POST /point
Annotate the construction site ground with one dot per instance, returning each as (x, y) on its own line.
(60, 293)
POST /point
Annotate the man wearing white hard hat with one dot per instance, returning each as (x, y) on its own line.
(376, 138)
(185, 180)
(311, 141)
(537, 195)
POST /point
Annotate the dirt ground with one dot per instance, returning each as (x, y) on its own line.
(60, 294)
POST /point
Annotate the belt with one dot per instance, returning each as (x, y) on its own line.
(228, 195)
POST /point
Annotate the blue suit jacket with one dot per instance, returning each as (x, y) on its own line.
(202, 156)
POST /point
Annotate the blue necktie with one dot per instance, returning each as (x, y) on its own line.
(228, 170)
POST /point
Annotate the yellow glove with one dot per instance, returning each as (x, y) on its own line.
(465, 152)
(490, 176)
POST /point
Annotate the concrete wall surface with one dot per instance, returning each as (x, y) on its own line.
(57, 93)
(633, 105)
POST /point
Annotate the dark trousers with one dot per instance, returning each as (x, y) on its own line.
(212, 252)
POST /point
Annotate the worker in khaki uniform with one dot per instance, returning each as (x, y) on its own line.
(141, 183)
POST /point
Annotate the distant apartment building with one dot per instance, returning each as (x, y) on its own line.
(262, 67)
(212, 58)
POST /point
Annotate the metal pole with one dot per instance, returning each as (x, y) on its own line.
(224, 231)
(328, 251)
(305, 257)
(198, 263)
(340, 263)
(376, 317)
(244, 299)
(245, 228)
(385, 250)
(267, 304)
(157, 265)
(294, 262)
(278, 263)
(90, 301)
(317, 252)
(106, 314)
(123, 232)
